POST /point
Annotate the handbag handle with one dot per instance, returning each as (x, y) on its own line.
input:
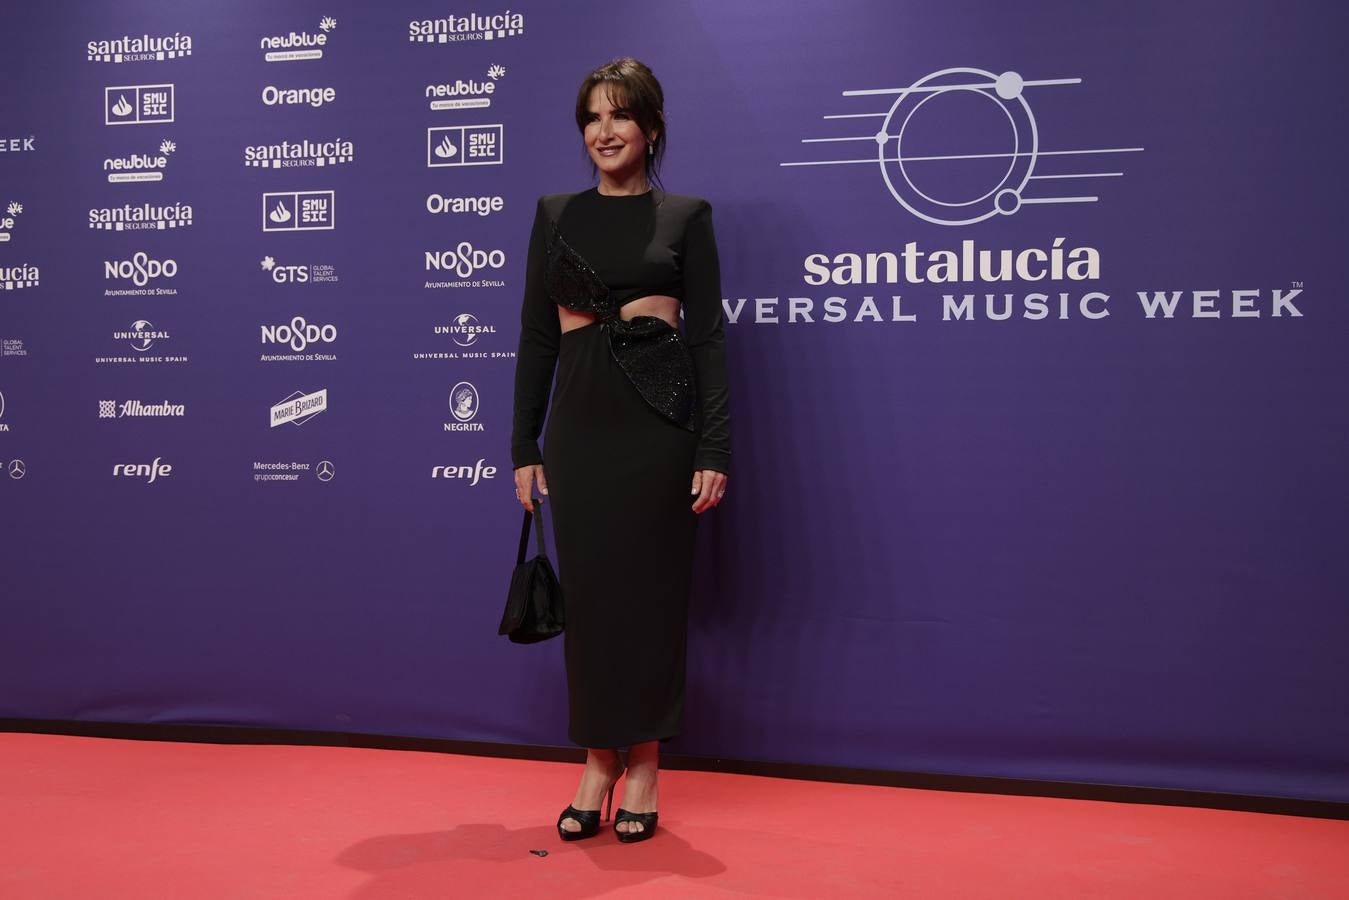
(538, 532)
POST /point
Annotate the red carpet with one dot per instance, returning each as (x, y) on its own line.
(95, 818)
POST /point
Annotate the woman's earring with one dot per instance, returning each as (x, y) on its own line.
(650, 150)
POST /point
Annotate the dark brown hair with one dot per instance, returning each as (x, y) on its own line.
(630, 85)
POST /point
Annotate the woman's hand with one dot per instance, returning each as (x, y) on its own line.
(524, 485)
(709, 486)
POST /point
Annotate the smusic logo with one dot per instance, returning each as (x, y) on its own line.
(299, 211)
(138, 104)
(464, 145)
(143, 48)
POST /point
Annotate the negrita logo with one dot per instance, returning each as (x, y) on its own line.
(138, 104)
(298, 45)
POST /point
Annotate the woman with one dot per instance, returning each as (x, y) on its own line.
(637, 440)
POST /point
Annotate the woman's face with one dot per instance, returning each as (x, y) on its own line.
(613, 138)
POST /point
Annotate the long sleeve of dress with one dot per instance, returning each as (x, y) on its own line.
(536, 357)
(704, 332)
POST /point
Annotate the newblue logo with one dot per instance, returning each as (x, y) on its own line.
(8, 219)
(461, 94)
(140, 166)
(298, 45)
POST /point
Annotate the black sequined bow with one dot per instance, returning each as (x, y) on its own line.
(650, 352)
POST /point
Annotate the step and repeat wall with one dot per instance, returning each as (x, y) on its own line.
(1036, 322)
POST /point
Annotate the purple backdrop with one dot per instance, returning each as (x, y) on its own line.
(1080, 542)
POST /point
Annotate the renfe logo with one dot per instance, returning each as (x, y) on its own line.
(473, 473)
(149, 471)
(138, 104)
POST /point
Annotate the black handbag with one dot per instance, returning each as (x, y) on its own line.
(534, 609)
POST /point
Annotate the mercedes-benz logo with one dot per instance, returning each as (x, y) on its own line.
(17, 469)
(324, 470)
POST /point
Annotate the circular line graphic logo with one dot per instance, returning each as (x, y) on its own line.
(325, 470)
(17, 469)
(464, 401)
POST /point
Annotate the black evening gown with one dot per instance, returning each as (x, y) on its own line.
(636, 408)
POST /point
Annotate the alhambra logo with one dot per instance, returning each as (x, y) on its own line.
(138, 104)
(141, 48)
(1004, 172)
(140, 166)
(298, 45)
(472, 27)
(9, 219)
(299, 154)
(140, 217)
(138, 409)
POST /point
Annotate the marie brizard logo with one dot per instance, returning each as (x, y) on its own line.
(961, 185)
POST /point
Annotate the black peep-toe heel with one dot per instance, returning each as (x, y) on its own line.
(589, 819)
(646, 820)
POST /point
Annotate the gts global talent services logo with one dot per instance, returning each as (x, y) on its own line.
(472, 27)
(315, 273)
(465, 94)
(7, 221)
(140, 166)
(298, 45)
(997, 174)
(141, 48)
(138, 104)
(299, 154)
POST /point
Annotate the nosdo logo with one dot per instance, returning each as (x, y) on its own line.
(12, 278)
(439, 204)
(138, 104)
(472, 474)
(139, 270)
(464, 260)
(298, 45)
(472, 27)
(470, 94)
(142, 335)
(149, 471)
(141, 48)
(318, 273)
(464, 408)
(8, 219)
(311, 96)
(299, 211)
(299, 334)
(136, 409)
(464, 145)
(139, 166)
(293, 154)
(956, 186)
(143, 217)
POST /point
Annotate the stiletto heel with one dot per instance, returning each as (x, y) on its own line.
(646, 820)
(588, 819)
